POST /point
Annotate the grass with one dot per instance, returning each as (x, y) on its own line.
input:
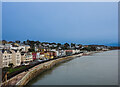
(12, 70)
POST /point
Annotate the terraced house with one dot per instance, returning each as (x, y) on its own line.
(0, 59)
(16, 57)
(26, 58)
(10, 56)
(6, 58)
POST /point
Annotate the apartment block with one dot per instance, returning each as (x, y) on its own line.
(16, 57)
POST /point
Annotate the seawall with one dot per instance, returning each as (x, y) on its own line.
(23, 78)
(32, 73)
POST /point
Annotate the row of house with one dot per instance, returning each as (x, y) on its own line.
(21, 47)
(19, 54)
(18, 58)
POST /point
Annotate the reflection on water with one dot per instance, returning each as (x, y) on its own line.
(96, 69)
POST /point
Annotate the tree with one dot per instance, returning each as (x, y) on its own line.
(23, 42)
(17, 41)
(66, 45)
(28, 41)
(5, 72)
(80, 46)
(10, 65)
(93, 48)
(53, 43)
(62, 47)
(58, 45)
(10, 42)
(37, 43)
(31, 50)
(4, 42)
(72, 45)
(31, 43)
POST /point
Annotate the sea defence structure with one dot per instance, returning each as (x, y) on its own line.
(39, 69)
(23, 78)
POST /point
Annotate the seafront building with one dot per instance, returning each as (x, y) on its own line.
(25, 53)
(21, 47)
(6, 58)
(26, 58)
(1, 60)
(38, 55)
(16, 57)
(15, 47)
(10, 56)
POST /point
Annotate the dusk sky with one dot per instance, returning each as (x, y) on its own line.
(76, 22)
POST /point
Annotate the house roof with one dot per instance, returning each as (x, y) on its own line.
(8, 51)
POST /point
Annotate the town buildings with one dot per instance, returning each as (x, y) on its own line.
(29, 51)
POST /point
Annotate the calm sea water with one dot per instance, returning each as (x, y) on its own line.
(96, 69)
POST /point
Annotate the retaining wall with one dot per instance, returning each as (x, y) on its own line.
(39, 69)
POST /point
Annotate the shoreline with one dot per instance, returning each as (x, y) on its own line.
(25, 77)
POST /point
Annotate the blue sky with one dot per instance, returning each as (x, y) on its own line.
(82, 22)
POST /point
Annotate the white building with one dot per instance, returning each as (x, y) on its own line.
(22, 47)
(10, 56)
(26, 58)
(42, 56)
(16, 57)
(37, 55)
(6, 46)
(57, 52)
(62, 53)
(6, 58)
(1, 46)
(26, 48)
(1, 59)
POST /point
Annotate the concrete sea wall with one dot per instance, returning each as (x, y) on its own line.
(23, 78)
(32, 73)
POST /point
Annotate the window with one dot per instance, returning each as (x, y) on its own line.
(5, 59)
(9, 57)
(18, 61)
(5, 63)
(18, 57)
